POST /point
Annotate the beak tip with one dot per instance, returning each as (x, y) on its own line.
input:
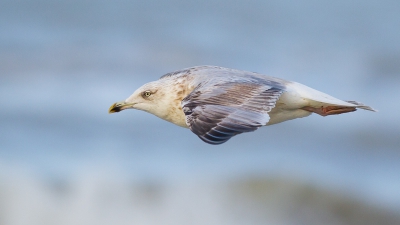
(113, 109)
(119, 106)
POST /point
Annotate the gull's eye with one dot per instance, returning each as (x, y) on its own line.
(146, 94)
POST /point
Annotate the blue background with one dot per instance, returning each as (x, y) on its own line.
(64, 160)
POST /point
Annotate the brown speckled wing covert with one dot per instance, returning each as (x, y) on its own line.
(217, 112)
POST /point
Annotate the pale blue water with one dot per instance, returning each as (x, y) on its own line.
(63, 63)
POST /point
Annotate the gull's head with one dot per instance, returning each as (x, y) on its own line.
(160, 98)
(146, 98)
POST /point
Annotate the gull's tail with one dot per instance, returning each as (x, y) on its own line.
(362, 106)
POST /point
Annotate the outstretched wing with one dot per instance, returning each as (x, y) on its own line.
(217, 111)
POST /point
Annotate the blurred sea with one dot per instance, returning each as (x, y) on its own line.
(64, 160)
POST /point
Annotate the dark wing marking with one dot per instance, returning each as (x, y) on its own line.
(362, 106)
(216, 113)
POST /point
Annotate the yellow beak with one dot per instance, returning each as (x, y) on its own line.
(119, 106)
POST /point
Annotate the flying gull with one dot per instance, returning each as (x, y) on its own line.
(218, 103)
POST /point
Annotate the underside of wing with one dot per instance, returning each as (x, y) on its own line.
(217, 112)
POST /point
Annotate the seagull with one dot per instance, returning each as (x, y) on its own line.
(218, 103)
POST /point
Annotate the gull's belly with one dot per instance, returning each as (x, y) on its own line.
(288, 107)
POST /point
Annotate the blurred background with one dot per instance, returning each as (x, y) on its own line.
(65, 160)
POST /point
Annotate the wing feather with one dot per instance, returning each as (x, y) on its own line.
(217, 112)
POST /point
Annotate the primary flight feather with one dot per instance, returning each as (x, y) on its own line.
(217, 103)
